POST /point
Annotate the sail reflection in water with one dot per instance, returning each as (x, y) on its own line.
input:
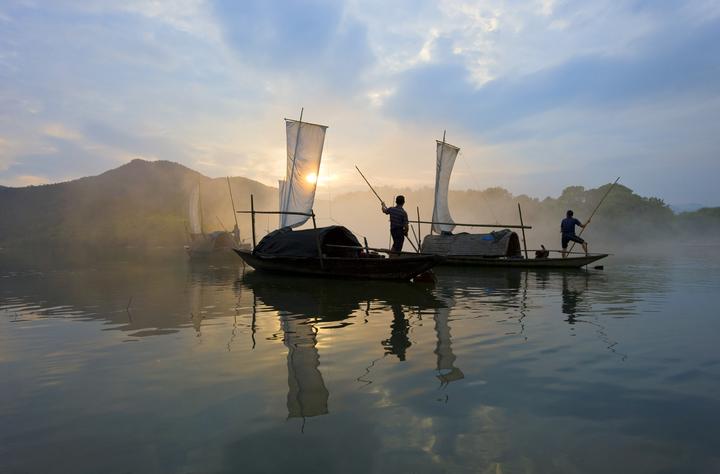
(307, 395)
(298, 310)
(304, 303)
(447, 372)
(197, 368)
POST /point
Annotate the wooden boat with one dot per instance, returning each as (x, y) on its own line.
(331, 252)
(521, 262)
(216, 245)
(327, 251)
(499, 248)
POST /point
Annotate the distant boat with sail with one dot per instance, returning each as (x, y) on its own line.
(500, 248)
(202, 245)
(321, 251)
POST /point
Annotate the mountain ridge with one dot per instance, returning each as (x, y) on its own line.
(140, 203)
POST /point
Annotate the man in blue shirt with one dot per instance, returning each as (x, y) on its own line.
(567, 228)
(398, 223)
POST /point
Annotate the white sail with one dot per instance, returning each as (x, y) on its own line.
(304, 151)
(194, 212)
(446, 155)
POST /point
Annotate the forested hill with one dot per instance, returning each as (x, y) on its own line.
(625, 218)
(142, 203)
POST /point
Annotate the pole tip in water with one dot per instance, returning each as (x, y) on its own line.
(426, 277)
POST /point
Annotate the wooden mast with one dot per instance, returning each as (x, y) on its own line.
(437, 178)
(522, 226)
(419, 236)
(288, 185)
(232, 201)
(252, 218)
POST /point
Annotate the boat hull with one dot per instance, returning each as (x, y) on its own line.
(397, 268)
(569, 262)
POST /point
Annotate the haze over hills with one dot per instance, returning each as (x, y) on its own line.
(145, 204)
(141, 203)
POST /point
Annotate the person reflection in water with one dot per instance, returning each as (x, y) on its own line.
(570, 299)
(399, 341)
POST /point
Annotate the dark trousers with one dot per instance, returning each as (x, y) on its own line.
(398, 236)
(567, 238)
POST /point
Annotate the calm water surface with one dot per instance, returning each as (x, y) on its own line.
(156, 365)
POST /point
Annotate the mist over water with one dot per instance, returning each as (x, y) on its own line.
(624, 223)
(149, 363)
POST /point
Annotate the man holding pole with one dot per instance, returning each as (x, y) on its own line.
(398, 223)
(567, 228)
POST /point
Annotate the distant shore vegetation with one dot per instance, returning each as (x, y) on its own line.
(144, 204)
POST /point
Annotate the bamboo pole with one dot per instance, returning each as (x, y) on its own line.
(232, 201)
(360, 247)
(411, 243)
(595, 210)
(370, 185)
(522, 226)
(252, 214)
(508, 226)
(417, 249)
(418, 224)
(277, 212)
(319, 249)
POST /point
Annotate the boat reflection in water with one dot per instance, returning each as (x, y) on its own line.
(302, 304)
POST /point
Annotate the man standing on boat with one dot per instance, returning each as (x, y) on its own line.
(567, 228)
(398, 223)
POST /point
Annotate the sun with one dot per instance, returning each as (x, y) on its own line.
(311, 178)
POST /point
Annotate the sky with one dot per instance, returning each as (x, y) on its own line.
(539, 95)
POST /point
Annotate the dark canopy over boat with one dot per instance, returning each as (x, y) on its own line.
(501, 243)
(286, 242)
(330, 251)
(495, 249)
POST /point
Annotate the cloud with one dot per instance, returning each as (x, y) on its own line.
(593, 84)
(306, 41)
(446, 91)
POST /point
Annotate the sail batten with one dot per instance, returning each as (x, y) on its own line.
(304, 151)
(446, 155)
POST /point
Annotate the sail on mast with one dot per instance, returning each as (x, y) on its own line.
(194, 212)
(304, 151)
(281, 199)
(446, 155)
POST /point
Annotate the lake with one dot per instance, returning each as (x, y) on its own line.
(153, 364)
